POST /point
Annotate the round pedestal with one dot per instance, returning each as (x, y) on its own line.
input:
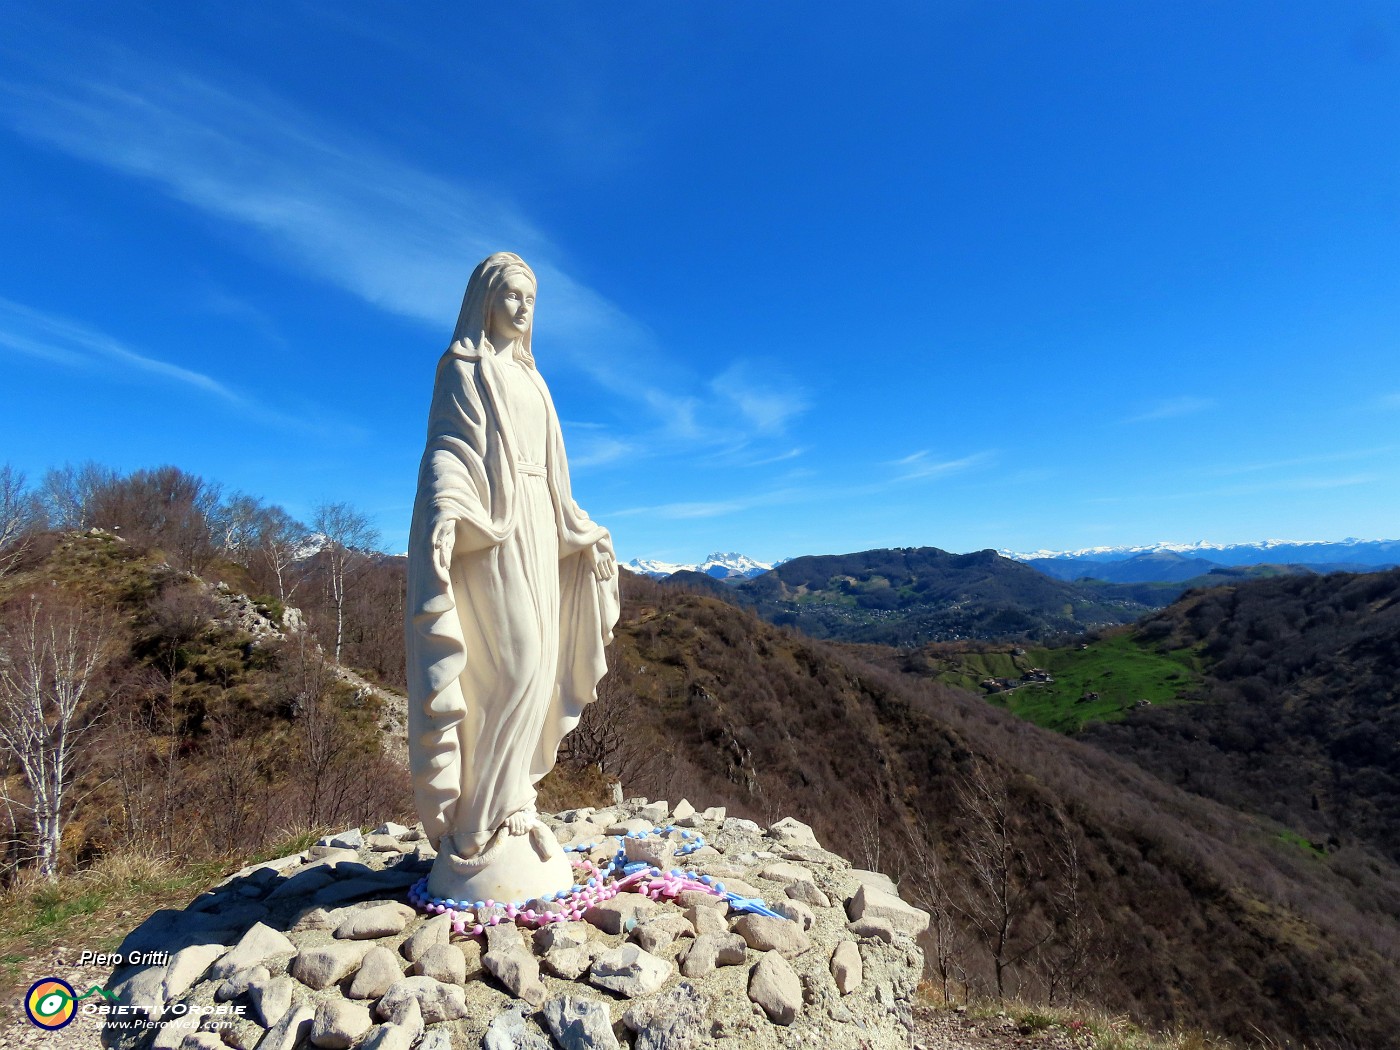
(517, 868)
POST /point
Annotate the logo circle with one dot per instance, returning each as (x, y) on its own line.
(51, 1003)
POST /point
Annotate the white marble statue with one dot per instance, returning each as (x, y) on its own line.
(512, 595)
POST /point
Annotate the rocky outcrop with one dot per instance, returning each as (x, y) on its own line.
(318, 949)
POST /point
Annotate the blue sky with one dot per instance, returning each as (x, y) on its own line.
(812, 280)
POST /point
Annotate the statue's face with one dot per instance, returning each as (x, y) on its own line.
(513, 311)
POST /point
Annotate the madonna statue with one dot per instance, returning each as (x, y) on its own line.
(512, 595)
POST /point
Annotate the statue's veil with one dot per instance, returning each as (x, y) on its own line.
(486, 280)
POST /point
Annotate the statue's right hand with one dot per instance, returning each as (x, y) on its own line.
(444, 535)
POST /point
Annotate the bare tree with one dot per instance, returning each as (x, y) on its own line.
(927, 883)
(234, 524)
(608, 736)
(280, 541)
(68, 494)
(50, 658)
(20, 514)
(1080, 949)
(349, 544)
(997, 901)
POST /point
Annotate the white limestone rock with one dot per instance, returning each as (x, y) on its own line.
(871, 903)
(846, 967)
(775, 987)
(580, 1024)
(629, 971)
(259, 945)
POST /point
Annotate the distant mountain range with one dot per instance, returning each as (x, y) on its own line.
(1178, 562)
(718, 566)
(1149, 563)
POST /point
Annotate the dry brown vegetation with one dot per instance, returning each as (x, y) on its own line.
(1118, 889)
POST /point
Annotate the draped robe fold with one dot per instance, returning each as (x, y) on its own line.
(491, 693)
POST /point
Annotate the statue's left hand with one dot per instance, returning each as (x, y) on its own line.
(603, 560)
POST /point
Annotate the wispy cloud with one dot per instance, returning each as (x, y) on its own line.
(1302, 461)
(923, 464)
(62, 341)
(765, 401)
(336, 209)
(66, 342)
(1173, 408)
(1389, 400)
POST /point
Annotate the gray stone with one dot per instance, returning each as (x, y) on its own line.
(560, 935)
(187, 966)
(739, 826)
(437, 1001)
(629, 826)
(202, 1041)
(660, 930)
(388, 1037)
(711, 950)
(871, 903)
(682, 809)
(629, 971)
(351, 839)
(406, 1013)
(322, 967)
(271, 999)
(706, 919)
(792, 832)
(808, 893)
(764, 933)
(442, 962)
(611, 916)
(876, 928)
(511, 1030)
(505, 937)
(674, 1020)
(338, 1024)
(384, 920)
(437, 1039)
(795, 911)
(875, 879)
(390, 828)
(580, 1024)
(387, 844)
(259, 945)
(304, 883)
(654, 811)
(290, 1030)
(570, 963)
(315, 919)
(241, 982)
(436, 930)
(656, 850)
(775, 987)
(846, 967)
(378, 971)
(715, 814)
(700, 899)
(519, 972)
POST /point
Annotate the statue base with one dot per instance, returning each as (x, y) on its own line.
(511, 869)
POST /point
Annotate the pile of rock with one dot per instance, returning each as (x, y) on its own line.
(319, 949)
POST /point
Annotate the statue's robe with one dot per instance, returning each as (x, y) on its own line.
(485, 717)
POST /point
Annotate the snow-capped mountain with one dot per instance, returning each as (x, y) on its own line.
(1308, 552)
(720, 566)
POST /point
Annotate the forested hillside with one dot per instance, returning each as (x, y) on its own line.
(908, 596)
(1298, 715)
(1118, 887)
